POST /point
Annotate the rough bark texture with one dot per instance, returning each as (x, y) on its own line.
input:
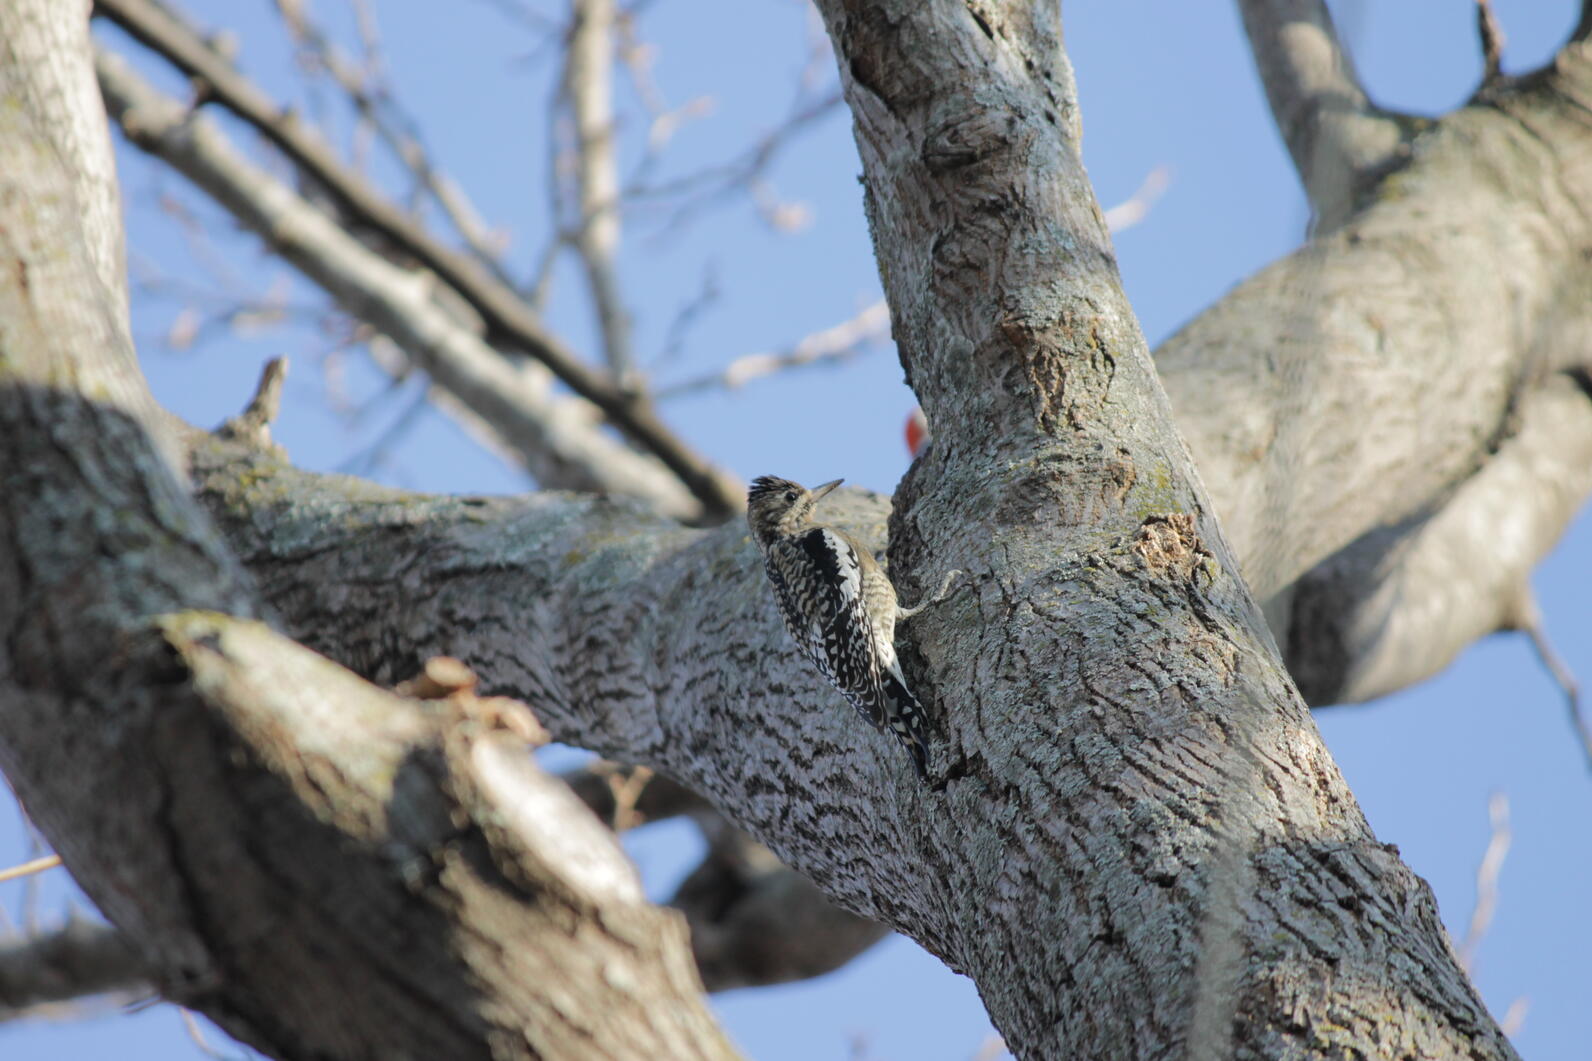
(322, 867)
(1396, 417)
(1141, 849)
(1075, 889)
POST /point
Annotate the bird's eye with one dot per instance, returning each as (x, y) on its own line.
(790, 495)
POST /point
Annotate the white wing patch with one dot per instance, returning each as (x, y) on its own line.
(846, 563)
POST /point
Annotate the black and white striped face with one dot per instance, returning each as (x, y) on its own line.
(777, 508)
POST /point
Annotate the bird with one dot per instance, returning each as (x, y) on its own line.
(840, 607)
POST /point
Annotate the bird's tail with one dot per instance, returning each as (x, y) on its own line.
(907, 720)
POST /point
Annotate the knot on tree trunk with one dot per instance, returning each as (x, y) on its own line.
(1170, 545)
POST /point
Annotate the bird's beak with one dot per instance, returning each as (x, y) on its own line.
(820, 491)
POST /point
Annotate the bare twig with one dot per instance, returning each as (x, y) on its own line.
(1492, 863)
(253, 425)
(688, 315)
(371, 456)
(1136, 207)
(1514, 1017)
(1492, 41)
(507, 318)
(837, 343)
(1528, 620)
(663, 121)
(627, 789)
(992, 1048)
(708, 187)
(871, 326)
(656, 800)
(372, 97)
(588, 89)
(196, 1035)
(558, 437)
(27, 869)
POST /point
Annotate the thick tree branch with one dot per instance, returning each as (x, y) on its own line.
(754, 921)
(322, 867)
(509, 321)
(1136, 805)
(1427, 321)
(559, 438)
(1339, 140)
(75, 961)
(1397, 605)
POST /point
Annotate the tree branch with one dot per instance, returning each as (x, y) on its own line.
(1135, 804)
(588, 88)
(377, 106)
(1338, 139)
(77, 960)
(558, 438)
(753, 921)
(320, 866)
(1398, 604)
(1491, 36)
(509, 322)
(1428, 319)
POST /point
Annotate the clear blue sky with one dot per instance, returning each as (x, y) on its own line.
(1162, 83)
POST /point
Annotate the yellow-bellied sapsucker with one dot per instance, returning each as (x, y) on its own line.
(839, 606)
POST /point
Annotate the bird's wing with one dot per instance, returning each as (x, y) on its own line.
(820, 580)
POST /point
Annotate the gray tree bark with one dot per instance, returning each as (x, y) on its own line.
(1141, 849)
(323, 867)
(1394, 420)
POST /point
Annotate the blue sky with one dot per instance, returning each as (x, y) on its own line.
(1163, 83)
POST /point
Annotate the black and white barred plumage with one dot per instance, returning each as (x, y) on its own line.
(839, 606)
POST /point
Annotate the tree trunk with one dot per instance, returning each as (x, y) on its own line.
(1141, 848)
(324, 868)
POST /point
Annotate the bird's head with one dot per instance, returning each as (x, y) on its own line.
(777, 507)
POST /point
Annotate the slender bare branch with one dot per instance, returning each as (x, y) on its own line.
(558, 437)
(1487, 871)
(1529, 621)
(588, 90)
(1514, 1017)
(657, 800)
(1491, 35)
(253, 425)
(29, 868)
(1136, 207)
(372, 97)
(1336, 136)
(709, 187)
(832, 345)
(507, 319)
(201, 1042)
